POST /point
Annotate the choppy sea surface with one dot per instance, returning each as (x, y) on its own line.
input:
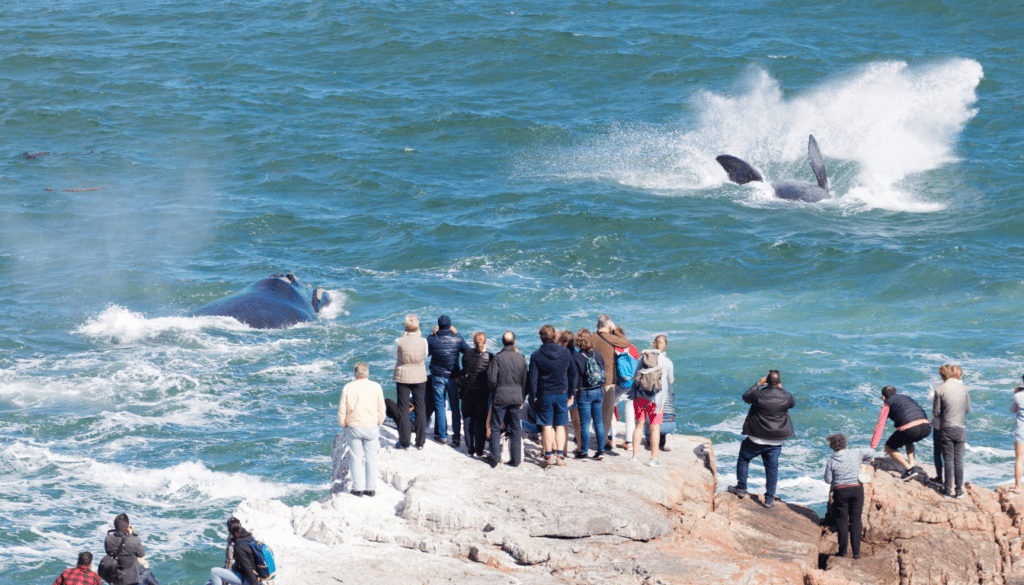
(510, 165)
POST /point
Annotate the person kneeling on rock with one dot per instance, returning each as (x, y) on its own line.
(842, 472)
(767, 426)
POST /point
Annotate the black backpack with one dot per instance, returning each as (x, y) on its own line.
(108, 564)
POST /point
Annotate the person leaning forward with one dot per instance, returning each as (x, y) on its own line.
(911, 426)
(507, 377)
(766, 427)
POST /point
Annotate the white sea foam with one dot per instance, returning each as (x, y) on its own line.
(117, 324)
(878, 128)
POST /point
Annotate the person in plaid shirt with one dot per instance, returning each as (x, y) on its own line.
(81, 574)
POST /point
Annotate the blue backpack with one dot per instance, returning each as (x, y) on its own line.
(626, 360)
(265, 566)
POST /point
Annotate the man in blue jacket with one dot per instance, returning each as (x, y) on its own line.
(552, 376)
(767, 426)
(444, 346)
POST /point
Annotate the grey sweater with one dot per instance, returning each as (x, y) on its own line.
(843, 468)
(952, 403)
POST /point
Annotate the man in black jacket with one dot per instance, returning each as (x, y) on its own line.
(507, 378)
(767, 426)
(444, 346)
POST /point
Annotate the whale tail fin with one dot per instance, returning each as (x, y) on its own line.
(817, 164)
(739, 171)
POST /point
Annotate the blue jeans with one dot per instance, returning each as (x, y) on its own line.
(590, 402)
(446, 387)
(769, 455)
(363, 444)
(219, 576)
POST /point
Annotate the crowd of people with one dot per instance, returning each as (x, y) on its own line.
(580, 379)
(573, 379)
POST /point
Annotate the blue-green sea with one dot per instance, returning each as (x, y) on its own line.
(510, 165)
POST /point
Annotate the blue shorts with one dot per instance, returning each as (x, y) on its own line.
(553, 410)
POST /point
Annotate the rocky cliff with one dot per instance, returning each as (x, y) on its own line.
(440, 516)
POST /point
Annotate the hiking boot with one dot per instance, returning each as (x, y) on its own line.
(768, 503)
(736, 491)
(909, 475)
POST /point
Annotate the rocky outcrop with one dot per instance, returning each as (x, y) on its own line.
(440, 517)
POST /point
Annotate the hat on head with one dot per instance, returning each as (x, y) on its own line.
(444, 322)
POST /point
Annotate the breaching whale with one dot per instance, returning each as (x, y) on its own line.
(275, 302)
(742, 173)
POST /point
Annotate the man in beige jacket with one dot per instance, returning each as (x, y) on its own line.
(361, 412)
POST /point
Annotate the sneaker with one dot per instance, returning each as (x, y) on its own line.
(399, 445)
(909, 475)
(946, 494)
(456, 442)
(548, 462)
(960, 495)
(654, 463)
(369, 493)
(635, 459)
(580, 455)
(736, 491)
(856, 556)
(608, 446)
(442, 441)
(357, 493)
(768, 503)
(419, 447)
(560, 461)
(598, 456)
(935, 482)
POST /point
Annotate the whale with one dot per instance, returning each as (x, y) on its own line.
(742, 173)
(275, 302)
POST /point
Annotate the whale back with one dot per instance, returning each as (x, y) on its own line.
(739, 171)
(817, 164)
(271, 303)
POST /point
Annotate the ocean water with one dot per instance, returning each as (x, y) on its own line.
(509, 165)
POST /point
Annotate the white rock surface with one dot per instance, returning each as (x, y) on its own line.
(440, 516)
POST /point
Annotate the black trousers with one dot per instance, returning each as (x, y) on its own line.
(953, 440)
(418, 392)
(848, 503)
(474, 419)
(510, 418)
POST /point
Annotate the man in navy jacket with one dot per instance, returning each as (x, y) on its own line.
(552, 376)
(767, 426)
(444, 346)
